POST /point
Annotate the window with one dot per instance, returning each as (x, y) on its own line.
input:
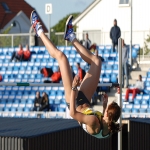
(123, 1)
(5, 6)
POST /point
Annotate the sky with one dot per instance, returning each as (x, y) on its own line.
(60, 8)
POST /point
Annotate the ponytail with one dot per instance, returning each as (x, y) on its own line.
(113, 127)
(114, 112)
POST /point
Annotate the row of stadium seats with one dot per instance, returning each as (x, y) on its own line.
(39, 49)
(136, 108)
(32, 115)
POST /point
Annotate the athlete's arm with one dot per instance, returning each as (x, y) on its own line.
(86, 119)
(105, 101)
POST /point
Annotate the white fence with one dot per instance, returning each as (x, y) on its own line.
(98, 37)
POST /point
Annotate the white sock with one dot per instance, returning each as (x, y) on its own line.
(72, 36)
(40, 29)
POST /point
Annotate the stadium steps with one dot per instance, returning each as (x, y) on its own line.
(134, 74)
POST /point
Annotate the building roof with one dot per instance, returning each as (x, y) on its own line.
(87, 10)
(10, 8)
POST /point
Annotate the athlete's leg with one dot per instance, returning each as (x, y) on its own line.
(91, 79)
(55, 53)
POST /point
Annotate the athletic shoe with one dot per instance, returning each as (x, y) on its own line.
(69, 32)
(34, 18)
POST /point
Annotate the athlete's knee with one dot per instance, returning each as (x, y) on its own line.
(96, 60)
(60, 54)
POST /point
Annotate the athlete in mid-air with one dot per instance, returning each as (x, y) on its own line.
(78, 101)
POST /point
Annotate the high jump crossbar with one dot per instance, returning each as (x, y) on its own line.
(52, 84)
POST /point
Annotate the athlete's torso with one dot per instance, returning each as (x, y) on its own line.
(90, 111)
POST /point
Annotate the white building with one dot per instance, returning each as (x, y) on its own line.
(98, 18)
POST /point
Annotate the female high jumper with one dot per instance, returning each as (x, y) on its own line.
(93, 122)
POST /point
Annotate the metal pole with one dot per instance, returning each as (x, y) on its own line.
(12, 41)
(49, 18)
(120, 95)
(131, 36)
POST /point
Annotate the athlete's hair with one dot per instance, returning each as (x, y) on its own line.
(113, 113)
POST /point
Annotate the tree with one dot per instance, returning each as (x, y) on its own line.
(59, 27)
(5, 41)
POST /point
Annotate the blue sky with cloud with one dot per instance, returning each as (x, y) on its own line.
(61, 8)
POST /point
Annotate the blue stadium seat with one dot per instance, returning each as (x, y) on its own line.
(25, 96)
(127, 110)
(28, 89)
(100, 52)
(144, 102)
(139, 97)
(77, 60)
(148, 110)
(42, 89)
(51, 101)
(24, 64)
(137, 102)
(60, 109)
(6, 109)
(56, 101)
(129, 106)
(106, 54)
(6, 96)
(33, 115)
(19, 95)
(136, 108)
(46, 56)
(1, 109)
(18, 115)
(52, 94)
(43, 64)
(20, 109)
(40, 57)
(48, 88)
(143, 108)
(55, 88)
(110, 61)
(134, 53)
(114, 78)
(55, 68)
(137, 47)
(35, 88)
(12, 96)
(6, 114)
(27, 109)
(146, 97)
(13, 109)
(101, 47)
(9, 104)
(8, 88)
(15, 70)
(54, 107)
(106, 78)
(108, 69)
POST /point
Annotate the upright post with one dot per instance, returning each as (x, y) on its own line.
(120, 95)
(12, 41)
(48, 10)
(49, 28)
(131, 35)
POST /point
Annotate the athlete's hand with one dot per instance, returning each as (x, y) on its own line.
(105, 100)
(76, 81)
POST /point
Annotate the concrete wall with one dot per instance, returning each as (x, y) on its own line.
(101, 18)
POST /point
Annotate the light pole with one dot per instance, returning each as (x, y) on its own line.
(131, 34)
(13, 24)
(48, 11)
